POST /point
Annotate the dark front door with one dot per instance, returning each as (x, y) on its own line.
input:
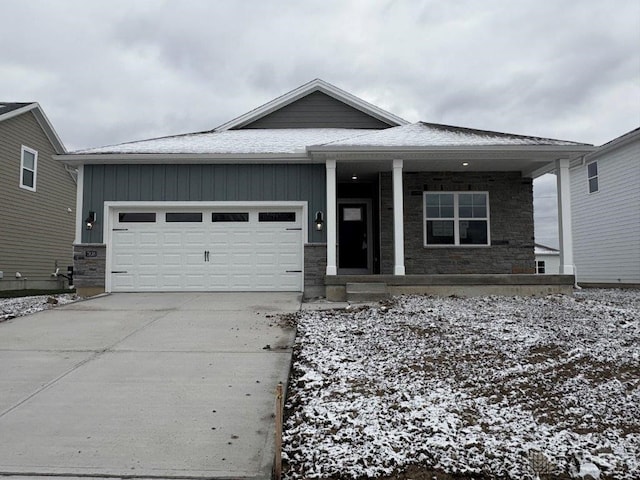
(353, 237)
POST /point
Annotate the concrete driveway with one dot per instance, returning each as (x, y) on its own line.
(144, 385)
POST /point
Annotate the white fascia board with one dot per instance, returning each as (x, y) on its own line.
(176, 158)
(561, 150)
(306, 89)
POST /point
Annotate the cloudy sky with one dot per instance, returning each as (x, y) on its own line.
(111, 71)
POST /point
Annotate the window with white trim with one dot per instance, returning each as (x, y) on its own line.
(456, 219)
(540, 266)
(28, 168)
(592, 177)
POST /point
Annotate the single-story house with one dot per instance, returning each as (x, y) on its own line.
(321, 192)
(37, 200)
(605, 201)
(547, 259)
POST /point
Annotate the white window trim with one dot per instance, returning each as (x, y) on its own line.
(596, 176)
(35, 168)
(456, 220)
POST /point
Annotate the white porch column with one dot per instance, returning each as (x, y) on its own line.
(331, 220)
(398, 220)
(564, 217)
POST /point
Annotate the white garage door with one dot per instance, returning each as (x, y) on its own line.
(244, 249)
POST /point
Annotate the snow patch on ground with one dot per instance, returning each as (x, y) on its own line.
(468, 386)
(19, 306)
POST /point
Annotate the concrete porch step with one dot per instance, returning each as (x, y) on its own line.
(366, 291)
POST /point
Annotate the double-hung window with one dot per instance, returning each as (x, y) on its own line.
(28, 168)
(592, 177)
(456, 219)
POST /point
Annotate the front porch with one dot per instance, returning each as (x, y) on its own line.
(442, 221)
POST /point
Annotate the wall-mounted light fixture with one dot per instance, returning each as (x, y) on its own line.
(90, 220)
(319, 221)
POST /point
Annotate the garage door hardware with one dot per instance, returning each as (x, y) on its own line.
(120, 229)
(119, 271)
(294, 228)
(206, 255)
(293, 271)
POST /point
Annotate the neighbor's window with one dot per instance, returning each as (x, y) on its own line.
(540, 268)
(456, 218)
(592, 177)
(28, 168)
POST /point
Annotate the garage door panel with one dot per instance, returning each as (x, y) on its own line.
(219, 256)
(148, 239)
(171, 260)
(148, 281)
(172, 239)
(124, 239)
(123, 260)
(148, 259)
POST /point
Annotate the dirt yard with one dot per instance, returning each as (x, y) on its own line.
(481, 388)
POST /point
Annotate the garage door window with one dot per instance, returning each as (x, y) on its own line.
(136, 217)
(229, 217)
(189, 217)
(277, 217)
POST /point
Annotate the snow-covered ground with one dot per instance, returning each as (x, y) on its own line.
(16, 307)
(485, 387)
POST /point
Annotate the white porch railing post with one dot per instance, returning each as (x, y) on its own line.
(398, 219)
(564, 217)
(331, 220)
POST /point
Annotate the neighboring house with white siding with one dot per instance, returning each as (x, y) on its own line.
(547, 260)
(605, 204)
(37, 200)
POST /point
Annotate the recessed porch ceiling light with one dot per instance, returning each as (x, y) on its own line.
(465, 164)
(354, 177)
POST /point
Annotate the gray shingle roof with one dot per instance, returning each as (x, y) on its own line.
(288, 141)
(422, 134)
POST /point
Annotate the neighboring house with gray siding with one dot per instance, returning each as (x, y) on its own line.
(317, 191)
(605, 202)
(37, 200)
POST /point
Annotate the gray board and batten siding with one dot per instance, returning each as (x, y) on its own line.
(318, 110)
(202, 183)
(36, 227)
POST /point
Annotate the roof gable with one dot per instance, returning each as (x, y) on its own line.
(317, 110)
(13, 109)
(384, 118)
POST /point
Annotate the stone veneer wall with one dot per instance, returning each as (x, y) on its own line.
(511, 224)
(89, 263)
(315, 266)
